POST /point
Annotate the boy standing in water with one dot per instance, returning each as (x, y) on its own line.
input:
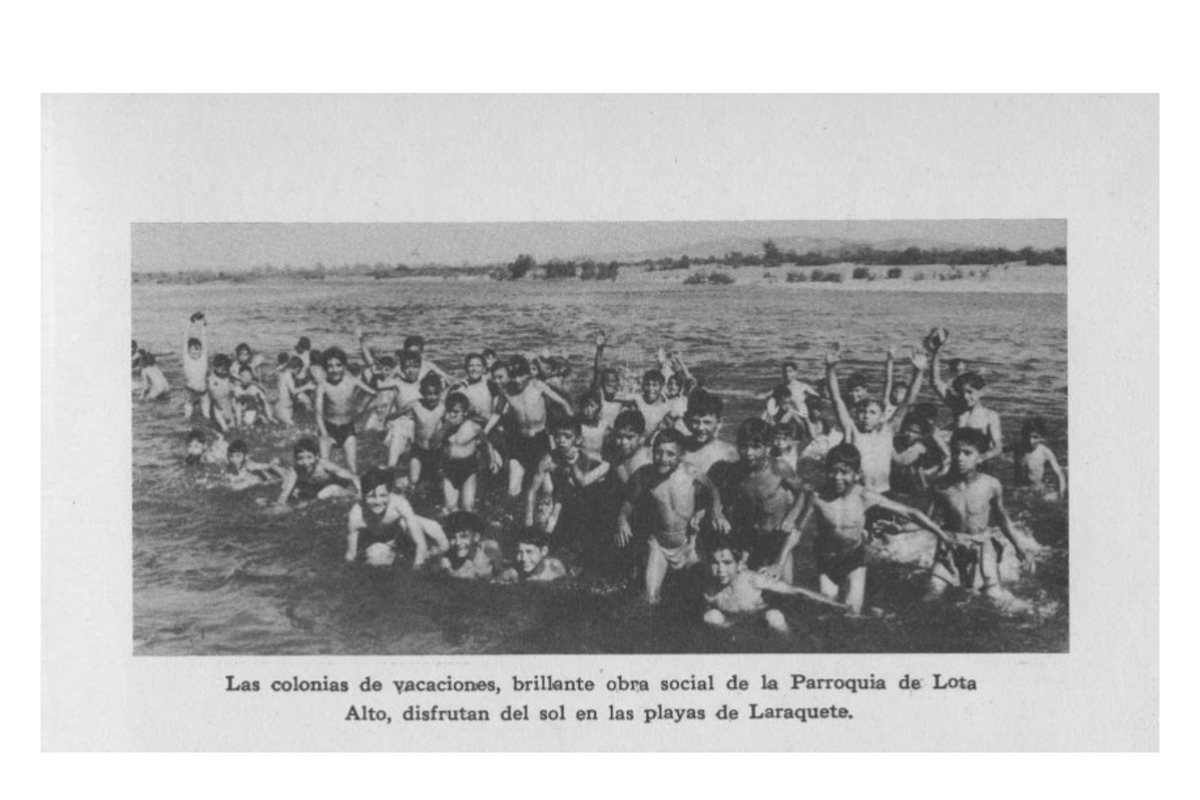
(195, 367)
(426, 412)
(650, 402)
(703, 449)
(840, 508)
(527, 439)
(1033, 458)
(220, 393)
(154, 383)
(336, 408)
(971, 500)
(571, 477)
(964, 398)
(662, 499)
(873, 435)
(461, 438)
(376, 522)
(607, 382)
(290, 388)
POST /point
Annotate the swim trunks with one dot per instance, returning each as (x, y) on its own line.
(339, 433)
(528, 450)
(964, 561)
(676, 557)
(457, 470)
(310, 490)
(837, 558)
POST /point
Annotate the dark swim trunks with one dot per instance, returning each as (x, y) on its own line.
(339, 433)
(528, 450)
(837, 558)
(310, 488)
(457, 470)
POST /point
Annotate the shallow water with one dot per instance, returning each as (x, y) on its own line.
(213, 573)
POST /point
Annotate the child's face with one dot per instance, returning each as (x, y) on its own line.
(401, 484)
(377, 499)
(195, 448)
(910, 435)
(455, 414)
(194, 351)
(237, 459)
(666, 457)
(609, 384)
(475, 369)
(489, 360)
(782, 443)
(753, 453)
(500, 375)
(841, 477)
(789, 373)
(410, 370)
(429, 395)
(221, 371)
(529, 557)
(898, 392)
(1034, 439)
(627, 441)
(703, 428)
(566, 444)
(243, 356)
(306, 461)
(462, 543)
(674, 387)
(868, 416)
(966, 458)
(591, 409)
(858, 394)
(971, 396)
(651, 389)
(335, 369)
(246, 377)
(724, 566)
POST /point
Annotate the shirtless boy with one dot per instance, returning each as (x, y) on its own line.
(250, 401)
(195, 367)
(1034, 456)
(382, 516)
(964, 398)
(703, 449)
(469, 556)
(571, 477)
(527, 439)
(407, 388)
(650, 402)
(840, 511)
(737, 591)
(462, 437)
(243, 473)
(426, 413)
(607, 382)
(534, 562)
(662, 500)
(971, 500)
(764, 500)
(154, 383)
(220, 392)
(290, 388)
(870, 433)
(336, 408)
(315, 478)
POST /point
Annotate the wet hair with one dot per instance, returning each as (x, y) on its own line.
(457, 400)
(1032, 425)
(222, 361)
(669, 436)
(591, 396)
(868, 401)
(463, 521)
(734, 545)
(243, 347)
(971, 380)
(303, 343)
(408, 358)
(244, 368)
(332, 353)
(374, 478)
(971, 437)
(856, 380)
(923, 424)
(295, 363)
(630, 420)
(704, 404)
(675, 377)
(844, 454)
(534, 537)
(518, 367)
(487, 351)
(195, 435)
(147, 358)
(194, 342)
(283, 358)
(791, 365)
(306, 444)
(431, 381)
(414, 342)
(471, 357)
(237, 446)
(565, 424)
(790, 428)
(386, 362)
(754, 432)
(653, 375)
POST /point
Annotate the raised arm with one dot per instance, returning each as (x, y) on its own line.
(835, 392)
(598, 362)
(940, 386)
(919, 362)
(888, 365)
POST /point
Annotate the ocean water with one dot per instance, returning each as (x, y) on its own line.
(214, 574)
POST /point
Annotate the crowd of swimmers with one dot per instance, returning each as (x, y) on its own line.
(629, 486)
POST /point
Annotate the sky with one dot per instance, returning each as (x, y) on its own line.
(236, 246)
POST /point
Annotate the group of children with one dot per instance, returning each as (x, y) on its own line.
(627, 486)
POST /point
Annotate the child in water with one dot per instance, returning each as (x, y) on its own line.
(314, 477)
(154, 383)
(534, 562)
(1034, 456)
(377, 522)
(469, 556)
(737, 591)
(243, 473)
(336, 407)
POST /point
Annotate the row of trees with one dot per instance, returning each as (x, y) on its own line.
(558, 269)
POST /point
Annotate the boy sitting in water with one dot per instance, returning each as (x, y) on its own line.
(737, 591)
(336, 407)
(154, 383)
(462, 437)
(868, 430)
(195, 367)
(971, 502)
(663, 500)
(534, 562)
(314, 477)
(469, 556)
(702, 449)
(964, 398)
(242, 473)
(1034, 456)
(200, 452)
(527, 438)
(381, 517)
(840, 510)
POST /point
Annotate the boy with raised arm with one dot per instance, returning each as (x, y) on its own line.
(973, 508)
(840, 508)
(663, 500)
(650, 402)
(336, 407)
(868, 430)
(964, 397)
(376, 522)
(764, 500)
(195, 366)
(737, 591)
(607, 382)
(527, 438)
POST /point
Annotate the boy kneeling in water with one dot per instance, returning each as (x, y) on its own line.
(738, 591)
(315, 478)
(376, 522)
